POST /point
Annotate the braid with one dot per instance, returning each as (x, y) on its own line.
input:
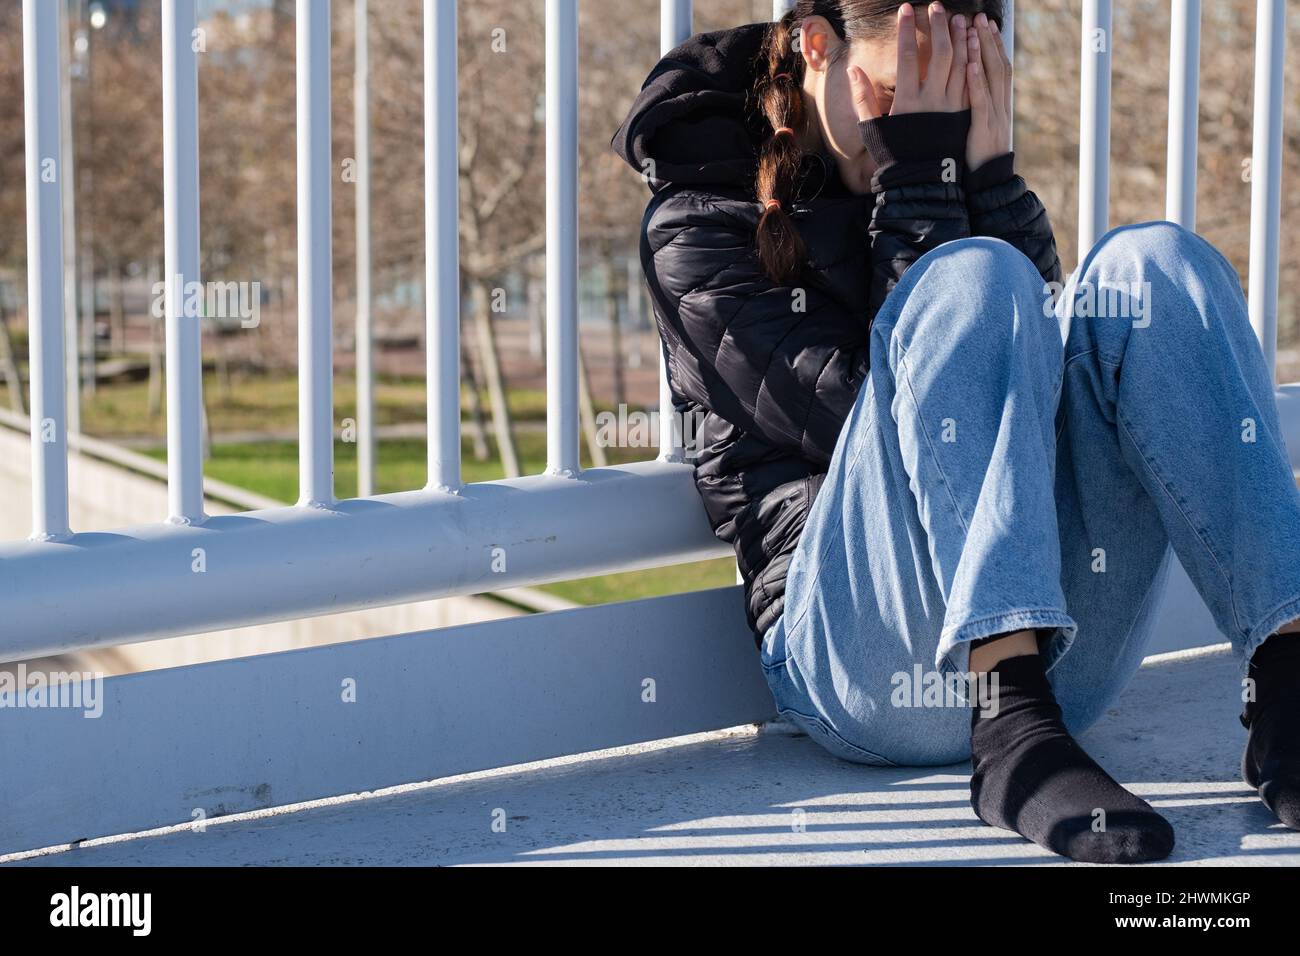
(779, 97)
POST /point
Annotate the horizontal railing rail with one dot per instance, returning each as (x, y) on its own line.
(168, 579)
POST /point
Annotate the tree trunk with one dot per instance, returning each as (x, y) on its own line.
(9, 362)
(205, 432)
(89, 375)
(536, 316)
(116, 309)
(155, 353)
(477, 427)
(221, 357)
(587, 412)
(487, 345)
(635, 311)
(615, 332)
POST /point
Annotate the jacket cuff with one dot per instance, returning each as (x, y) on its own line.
(911, 137)
(995, 172)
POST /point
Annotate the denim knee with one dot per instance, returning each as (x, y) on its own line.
(976, 288)
(1134, 268)
(1147, 237)
(1157, 247)
(974, 265)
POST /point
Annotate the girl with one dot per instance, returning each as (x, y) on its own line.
(928, 455)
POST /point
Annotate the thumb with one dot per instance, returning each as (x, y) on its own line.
(864, 95)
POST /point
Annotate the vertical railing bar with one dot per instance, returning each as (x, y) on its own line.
(1184, 93)
(364, 335)
(180, 96)
(42, 23)
(1094, 123)
(675, 24)
(442, 244)
(1266, 173)
(675, 18)
(1009, 40)
(68, 177)
(315, 270)
(562, 452)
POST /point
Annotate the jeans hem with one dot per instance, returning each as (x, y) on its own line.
(1284, 613)
(953, 654)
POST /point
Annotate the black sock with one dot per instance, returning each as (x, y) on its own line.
(1271, 761)
(1030, 776)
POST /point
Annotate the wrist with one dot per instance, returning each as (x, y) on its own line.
(909, 137)
(992, 172)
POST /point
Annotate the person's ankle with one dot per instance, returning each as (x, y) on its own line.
(1284, 642)
(1271, 760)
(1276, 662)
(987, 652)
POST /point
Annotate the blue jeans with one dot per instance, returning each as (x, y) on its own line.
(1013, 464)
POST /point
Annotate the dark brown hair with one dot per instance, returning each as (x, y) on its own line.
(778, 97)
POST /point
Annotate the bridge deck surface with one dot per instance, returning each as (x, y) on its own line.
(734, 797)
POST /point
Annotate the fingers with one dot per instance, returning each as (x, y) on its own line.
(937, 74)
(977, 84)
(908, 84)
(1006, 67)
(957, 93)
(992, 61)
(864, 94)
(990, 133)
(1000, 45)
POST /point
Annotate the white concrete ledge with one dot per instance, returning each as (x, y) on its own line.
(744, 798)
(233, 736)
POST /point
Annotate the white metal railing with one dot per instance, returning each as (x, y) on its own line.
(41, 107)
(315, 258)
(1184, 83)
(1094, 124)
(364, 336)
(675, 18)
(180, 92)
(63, 590)
(562, 237)
(1184, 90)
(441, 232)
(1266, 173)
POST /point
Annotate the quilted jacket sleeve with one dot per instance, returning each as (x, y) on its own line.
(1001, 205)
(784, 363)
(919, 203)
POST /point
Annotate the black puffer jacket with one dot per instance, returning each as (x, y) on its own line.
(770, 372)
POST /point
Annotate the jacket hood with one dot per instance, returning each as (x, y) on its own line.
(690, 119)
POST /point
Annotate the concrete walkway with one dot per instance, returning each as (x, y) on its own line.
(750, 796)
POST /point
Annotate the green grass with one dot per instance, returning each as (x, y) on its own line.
(676, 579)
(269, 403)
(271, 468)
